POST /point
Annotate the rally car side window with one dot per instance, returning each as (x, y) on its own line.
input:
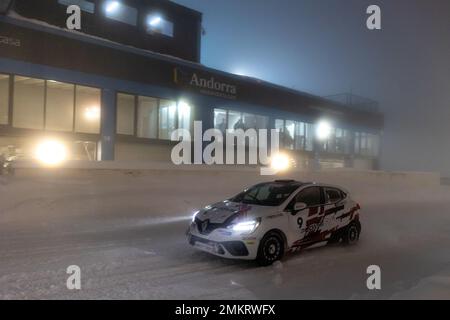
(311, 196)
(332, 195)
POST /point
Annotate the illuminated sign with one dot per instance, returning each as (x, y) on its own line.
(205, 84)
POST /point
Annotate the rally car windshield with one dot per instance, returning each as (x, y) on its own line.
(267, 194)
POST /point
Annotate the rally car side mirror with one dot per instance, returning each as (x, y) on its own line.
(300, 206)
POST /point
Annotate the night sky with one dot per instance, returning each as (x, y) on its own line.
(323, 47)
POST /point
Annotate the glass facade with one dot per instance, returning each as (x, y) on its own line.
(125, 113)
(167, 118)
(29, 96)
(59, 106)
(4, 99)
(120, 12)
(304, 136)
(155, 119)
(64, 107)
(147, 126)
(235, 120)
(367, 144)
(87, 110)
(295, 135)
(52, 105)
(157, 24)
(220, 120)
(184, 116)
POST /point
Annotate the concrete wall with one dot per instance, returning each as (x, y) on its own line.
(137, 152)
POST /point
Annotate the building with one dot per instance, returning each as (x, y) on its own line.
(117, 88)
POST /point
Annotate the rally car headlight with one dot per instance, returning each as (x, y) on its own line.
(246, 226)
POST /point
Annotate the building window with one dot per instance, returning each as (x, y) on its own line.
(147, 118)
(87, 110)
(167, 118)
(235, 120)
(357, 143)
(157, 24)
(184, 115)
(59, 106)
(125, 114)
(84, 5)
(28, 110)
(249, 121)
(116, 10)
(300, 136)
(289, 138)
(4, 99)
(342, 141)
(262, 122)
(220, 120)
(279, 125)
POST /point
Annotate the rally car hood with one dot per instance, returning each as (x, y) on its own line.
(227, 212)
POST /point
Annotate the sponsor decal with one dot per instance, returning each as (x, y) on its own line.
(4, 40)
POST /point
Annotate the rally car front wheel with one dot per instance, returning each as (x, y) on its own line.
(271, 249)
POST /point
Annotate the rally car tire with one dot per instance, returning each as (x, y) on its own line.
(271, 249)
(351, 233)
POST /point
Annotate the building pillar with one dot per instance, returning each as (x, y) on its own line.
(349, 160)
(107, 125)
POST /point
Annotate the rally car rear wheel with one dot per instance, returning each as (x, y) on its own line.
(351, 233)
(271, 249)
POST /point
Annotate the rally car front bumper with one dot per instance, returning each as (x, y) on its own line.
(224, 244)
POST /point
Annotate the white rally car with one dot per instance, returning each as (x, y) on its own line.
(269, 219)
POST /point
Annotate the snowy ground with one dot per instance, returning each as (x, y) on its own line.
(126, 232)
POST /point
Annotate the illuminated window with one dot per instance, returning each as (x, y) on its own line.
(261, 122)
(300, 135)
(87, 110)
(235, 120)
(279, 125)
(184, 115)
(84, 5)
(167, 118)
(157, 24)
(125, 114)
(309, 136)
(289, 134)
(220, 120)
(60, 106)
(147, 126)
(4, 98)
(249, 121)
(28, 110)
(118, 11)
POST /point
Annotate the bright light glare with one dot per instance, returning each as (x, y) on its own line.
(184, 109)
(112, 6)
(92, 113)
(51, 152)
(280, 162)
(154, 21)
(247, 226)
(323, 130)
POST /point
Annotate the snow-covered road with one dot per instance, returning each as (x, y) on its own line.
(126, 232)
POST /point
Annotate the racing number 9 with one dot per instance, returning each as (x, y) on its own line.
(300, 222)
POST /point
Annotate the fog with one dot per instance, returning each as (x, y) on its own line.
(323, 47)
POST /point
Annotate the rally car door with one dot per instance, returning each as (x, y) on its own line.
(305, 223)
(334, 206)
